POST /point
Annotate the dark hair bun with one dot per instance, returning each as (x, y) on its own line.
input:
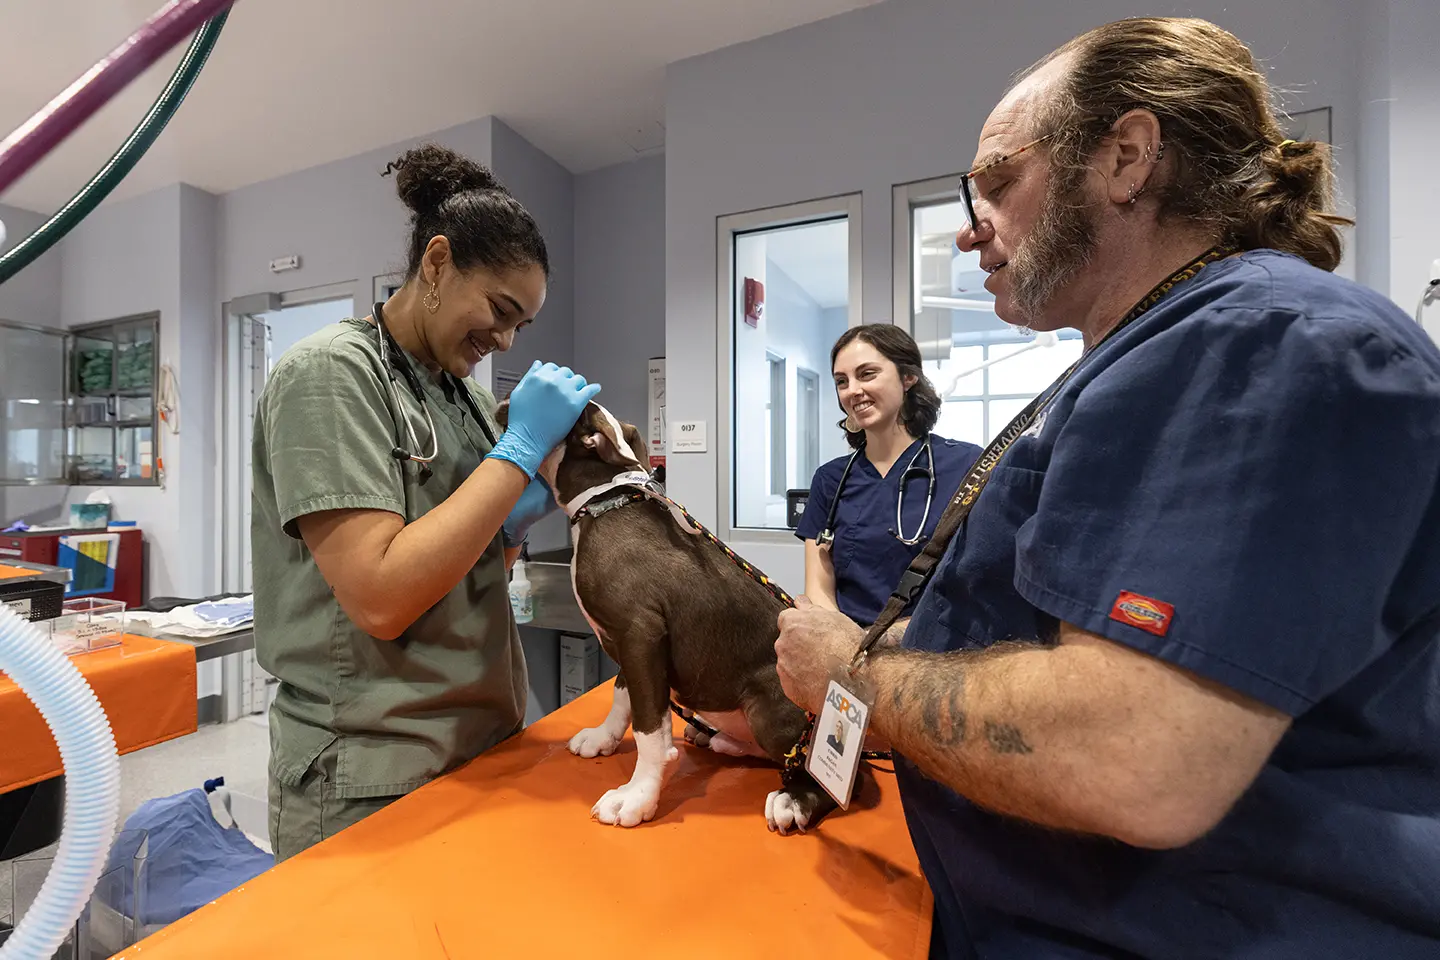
(430, 174)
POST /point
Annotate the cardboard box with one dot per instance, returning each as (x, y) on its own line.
(657, 412)
(579, 665)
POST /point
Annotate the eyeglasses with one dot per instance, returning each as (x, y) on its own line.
(966, 192)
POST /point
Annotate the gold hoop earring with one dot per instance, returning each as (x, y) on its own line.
(431, 299)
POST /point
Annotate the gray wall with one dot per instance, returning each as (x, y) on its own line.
(890, 94)
(342, 218)
(200, 340)
(31, 296)
(348, 226)
(620, 281)
(548, 191)
(1413, 128)
(124, 259)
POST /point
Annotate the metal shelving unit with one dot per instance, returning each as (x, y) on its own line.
(114, 370)
(79, 404)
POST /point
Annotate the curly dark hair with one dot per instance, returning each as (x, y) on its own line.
(921, 407)
(452, 196)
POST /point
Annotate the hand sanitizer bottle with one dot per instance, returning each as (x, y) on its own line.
(520, 599)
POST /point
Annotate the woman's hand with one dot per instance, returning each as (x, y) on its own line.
(543, 409)
(536, 503)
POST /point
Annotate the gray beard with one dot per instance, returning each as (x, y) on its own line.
(1055, 253)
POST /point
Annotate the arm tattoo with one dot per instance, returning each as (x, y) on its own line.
(933, 693)
(1004, 738)
(942, 706)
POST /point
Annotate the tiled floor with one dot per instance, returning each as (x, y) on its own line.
(237, 751)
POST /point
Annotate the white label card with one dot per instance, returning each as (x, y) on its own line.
(837, 742)
(688, 436)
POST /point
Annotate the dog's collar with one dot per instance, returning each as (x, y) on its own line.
(641, 487)
(630, 478)
(603, 505)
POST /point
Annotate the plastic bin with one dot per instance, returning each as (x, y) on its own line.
(86, 624)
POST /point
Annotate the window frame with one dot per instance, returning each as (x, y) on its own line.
(727, 228)
(904, 278)
(906, 199)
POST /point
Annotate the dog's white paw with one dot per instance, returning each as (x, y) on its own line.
(628, 806)
(594, 742)
(783, 814)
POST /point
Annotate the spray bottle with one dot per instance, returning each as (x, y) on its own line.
(520, 600)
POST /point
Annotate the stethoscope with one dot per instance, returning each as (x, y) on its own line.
(827, 535)
(397, 411)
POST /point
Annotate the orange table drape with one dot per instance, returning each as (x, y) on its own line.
(146, 686)
(8, 572)
(501, 859)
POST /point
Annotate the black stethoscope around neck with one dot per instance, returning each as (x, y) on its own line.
(827, 535)
(393, 362)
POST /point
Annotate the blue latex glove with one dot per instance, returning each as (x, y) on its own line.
(543, 408)
(535, 504)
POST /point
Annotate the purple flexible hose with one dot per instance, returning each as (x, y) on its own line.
(63, 116)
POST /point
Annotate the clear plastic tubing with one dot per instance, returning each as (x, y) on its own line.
(92, 784)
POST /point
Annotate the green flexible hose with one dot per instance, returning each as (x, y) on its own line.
(118, 166)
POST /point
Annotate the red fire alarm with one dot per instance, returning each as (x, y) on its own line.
(754, 301)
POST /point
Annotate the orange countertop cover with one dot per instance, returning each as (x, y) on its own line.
(8, 572)
(146, 686)
(501, 859)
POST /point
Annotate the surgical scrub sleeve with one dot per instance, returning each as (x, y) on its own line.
(1242, 484)
(358, 721)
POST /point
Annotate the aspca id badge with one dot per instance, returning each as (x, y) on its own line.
(837, 742)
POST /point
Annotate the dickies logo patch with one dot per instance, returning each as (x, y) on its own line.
(1148, 614)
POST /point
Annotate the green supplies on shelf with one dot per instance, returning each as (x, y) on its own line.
(134, 364)
(93, 369)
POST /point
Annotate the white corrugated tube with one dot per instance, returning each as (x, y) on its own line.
(92, 784)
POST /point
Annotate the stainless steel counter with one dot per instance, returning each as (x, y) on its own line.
(207, 648)
(553, 595)
(551, 592)
(42, 571)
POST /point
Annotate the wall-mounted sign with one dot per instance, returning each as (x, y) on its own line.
(688, 436)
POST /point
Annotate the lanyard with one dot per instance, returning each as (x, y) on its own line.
(923, 566)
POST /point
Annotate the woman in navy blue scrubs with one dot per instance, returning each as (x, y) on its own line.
(863, 525)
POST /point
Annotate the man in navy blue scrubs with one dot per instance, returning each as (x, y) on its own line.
(1173, 690)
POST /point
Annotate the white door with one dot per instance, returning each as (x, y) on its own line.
(247, 357)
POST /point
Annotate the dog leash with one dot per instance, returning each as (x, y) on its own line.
(795, 756)
(648, 491)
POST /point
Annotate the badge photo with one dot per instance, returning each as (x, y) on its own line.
(837, 742)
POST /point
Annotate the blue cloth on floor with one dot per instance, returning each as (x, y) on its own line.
(191, 860)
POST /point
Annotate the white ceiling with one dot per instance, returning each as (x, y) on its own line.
(295, 84)
(817, 257)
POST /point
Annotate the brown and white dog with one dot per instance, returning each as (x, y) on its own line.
(681, 619)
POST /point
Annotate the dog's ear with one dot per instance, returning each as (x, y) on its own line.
(637, 443)
(502, 414)
(602, 439)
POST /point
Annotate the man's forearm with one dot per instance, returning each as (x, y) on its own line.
(1087, 735)
(978, 722)
(895, 634)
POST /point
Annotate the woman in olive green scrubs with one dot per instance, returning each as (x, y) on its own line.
(381, 597)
